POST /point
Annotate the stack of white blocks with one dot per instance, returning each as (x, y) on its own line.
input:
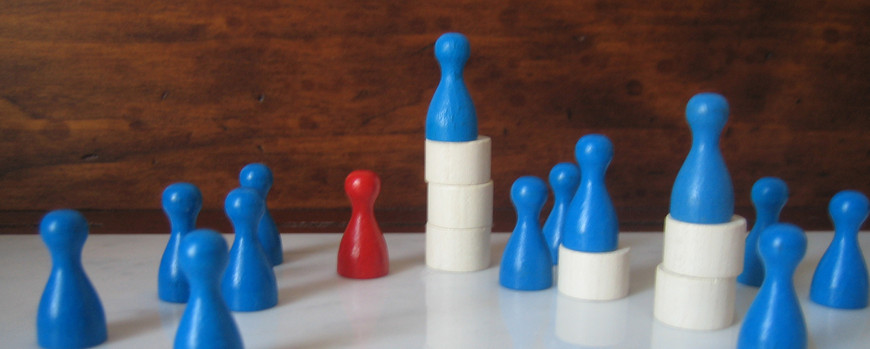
(459, 204)
(697, 279)
(596, 276)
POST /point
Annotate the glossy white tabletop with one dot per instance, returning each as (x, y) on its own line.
(413, 307)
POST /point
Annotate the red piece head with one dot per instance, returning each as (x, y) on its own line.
(362, 187)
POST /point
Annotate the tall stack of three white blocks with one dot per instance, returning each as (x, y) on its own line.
(459, 207)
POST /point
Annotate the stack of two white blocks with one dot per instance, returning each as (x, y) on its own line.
(459, 204)
(697, 279)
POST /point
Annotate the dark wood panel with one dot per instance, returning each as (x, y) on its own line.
(104, 103)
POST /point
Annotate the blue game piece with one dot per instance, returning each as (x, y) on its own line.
(70, 314)
(775, 319)
(769, 195)
(840, 280)
(451, 116)
(702, 192)
(259, 177)
(526, 264)
(181, 203)
(564, 179)
(590, 222)
(207, 322)
(249, 282)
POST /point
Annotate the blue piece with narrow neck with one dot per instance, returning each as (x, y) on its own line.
(451, 116)
(702, 192)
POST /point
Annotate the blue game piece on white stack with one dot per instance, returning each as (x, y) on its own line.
(249, 282)
(451, 116)
(181, 203)
(703, 192)
(259, 177)
(840, 280)
(207, 321)
(591, 264)
(70, 314)
(769, 195)
(590, 222)
(564, 179)
(457, 170)
(526, 264)
(775, 318)
(703, 240)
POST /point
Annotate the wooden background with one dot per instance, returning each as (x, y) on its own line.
(104, 103)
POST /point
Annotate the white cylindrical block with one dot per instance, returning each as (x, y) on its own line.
(460, 206)
(704, 250)
(458, 162)
(693, 303)
(452, 249)
(593, 275)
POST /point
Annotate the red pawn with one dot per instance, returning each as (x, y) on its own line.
(363, 250)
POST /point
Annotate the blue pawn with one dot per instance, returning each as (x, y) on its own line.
(840, 280)
(259, 178)
(590, 222)
(775, 319)
(564, 179)
(526, 264)
(181, 203)
(769, 195)
(451, 116)
(702, 192)
(70, 314)
(249, 282)
(207, 322)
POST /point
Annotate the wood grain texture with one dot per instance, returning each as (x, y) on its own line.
(104, 103)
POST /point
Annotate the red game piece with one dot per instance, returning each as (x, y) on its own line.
(363, 250)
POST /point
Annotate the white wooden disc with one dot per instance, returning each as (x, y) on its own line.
(458, 162)
(693, 303)
(460, 250)
(704, 250)
(593, 275)
(460, 206)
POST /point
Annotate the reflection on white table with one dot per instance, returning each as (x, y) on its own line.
(413, 307)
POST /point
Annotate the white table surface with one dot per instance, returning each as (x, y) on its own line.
(413, 307)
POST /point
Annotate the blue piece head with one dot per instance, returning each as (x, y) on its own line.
(528, 194)
(452, 51)
(782, 246)
(769, 192)
(849, 210)
(64, 230)
(769, 195)
(203, 253)
(244, 205)
(257, 176)
(182, 198)
(564, 178)
(707, 114)
(594, 152)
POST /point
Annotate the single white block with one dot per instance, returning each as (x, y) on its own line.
(704, 250)
(593, 275)
(459, 162)
(694, 303)
(460, 206)
(452, 249)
